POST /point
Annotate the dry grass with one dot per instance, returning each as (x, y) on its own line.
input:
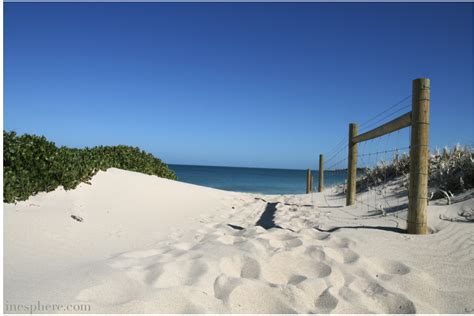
(451, 171)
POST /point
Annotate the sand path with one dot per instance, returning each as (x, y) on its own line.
(200, 250)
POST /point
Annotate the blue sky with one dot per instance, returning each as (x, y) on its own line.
(236, 84)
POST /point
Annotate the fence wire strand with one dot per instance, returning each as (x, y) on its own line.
(375, 190)
(385, 111)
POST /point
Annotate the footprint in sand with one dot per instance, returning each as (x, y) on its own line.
(395, 267)
(224, 285)
(315, 252)
(240, 266)
(287, 243)
(230, 238)
(385, 301)
(342, 255)
(326, 302)
(342, 243)
(152, 273)
(350, 256)
(312, 288)
(296, 279)
(256, 297)
(281, 267)
(387, 268)
(281, 239)
(177, 273)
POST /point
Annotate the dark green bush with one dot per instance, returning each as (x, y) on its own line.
(32, 164)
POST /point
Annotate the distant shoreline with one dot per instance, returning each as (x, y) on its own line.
(267, 168)
(252, 180)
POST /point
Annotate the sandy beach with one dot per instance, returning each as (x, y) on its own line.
(163, 157)
(133, 243)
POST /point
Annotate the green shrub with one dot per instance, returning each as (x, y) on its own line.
(32, 164)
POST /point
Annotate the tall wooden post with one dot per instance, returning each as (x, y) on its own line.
(419, 158)
(352, 165)
(308, 181)
(321, 173)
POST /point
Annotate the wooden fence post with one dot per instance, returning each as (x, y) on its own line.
(308, 181)
(419, 158)
(352, 165)
(321, 173)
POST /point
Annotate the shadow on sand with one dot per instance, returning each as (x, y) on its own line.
(389, 229)
(235, 227)
(267, 220)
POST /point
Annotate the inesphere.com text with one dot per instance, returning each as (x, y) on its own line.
(40, 307)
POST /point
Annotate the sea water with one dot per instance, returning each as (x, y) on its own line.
(254, 180)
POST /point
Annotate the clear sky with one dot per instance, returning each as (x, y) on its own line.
(236, 84)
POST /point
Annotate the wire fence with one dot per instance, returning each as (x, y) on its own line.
(375, 192)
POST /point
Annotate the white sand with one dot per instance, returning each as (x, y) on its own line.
(153, 245)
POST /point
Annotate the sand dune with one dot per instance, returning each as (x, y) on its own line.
(153, 245)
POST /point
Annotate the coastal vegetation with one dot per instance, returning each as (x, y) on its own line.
(451, 171)
(33, 164)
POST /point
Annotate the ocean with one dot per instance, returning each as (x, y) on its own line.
(254, 180)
